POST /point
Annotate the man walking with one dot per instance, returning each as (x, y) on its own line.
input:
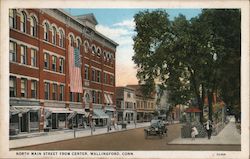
(209, 129)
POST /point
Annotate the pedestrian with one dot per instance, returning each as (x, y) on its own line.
(194, 132)
(94, 125)
(209, 129)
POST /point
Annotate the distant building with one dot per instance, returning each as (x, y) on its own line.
(145, 106)
(125, 104)
(62, 71)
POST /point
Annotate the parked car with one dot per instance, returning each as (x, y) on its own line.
(157, 128)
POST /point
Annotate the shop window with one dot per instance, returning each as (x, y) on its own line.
(12, 51)
(33, 89)
(12, 86)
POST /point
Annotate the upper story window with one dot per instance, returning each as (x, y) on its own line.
(128, 95)
(93, 96)
(61, 38)
(71, 40)
(93, 49)
(99, 52)
(23, 54)
(104, 55)
(54, 91)
(12, 18)
(33, 26)
(86, 72)
(46, 90)
(46, 32)
(53, 63)
(12, 86)
(99, 101)
(78, 44)
(98, 76)
(12, 51)
(46, 60)
(61, 93)
(86, 46)
(61, 65)
(71, 96)
(33, 57)
(23, 87)
(93, 75)
(105, 78)
(111, 80)
(23, 22)
(33, 89)
(54, 32)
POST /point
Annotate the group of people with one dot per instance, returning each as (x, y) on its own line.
(208, 126)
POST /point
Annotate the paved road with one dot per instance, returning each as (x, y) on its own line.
(128, 140)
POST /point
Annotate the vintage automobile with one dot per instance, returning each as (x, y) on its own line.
(157, 128)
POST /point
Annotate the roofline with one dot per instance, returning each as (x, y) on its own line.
(98, 33)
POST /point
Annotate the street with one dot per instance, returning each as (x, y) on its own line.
(129, 140)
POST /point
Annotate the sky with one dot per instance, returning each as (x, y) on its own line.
(118, 25)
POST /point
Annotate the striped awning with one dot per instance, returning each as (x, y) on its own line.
(22, 109)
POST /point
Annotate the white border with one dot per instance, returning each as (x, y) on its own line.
(4, 66)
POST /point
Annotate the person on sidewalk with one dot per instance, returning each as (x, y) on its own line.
(194, 132)
(94, 125)
(209, 128)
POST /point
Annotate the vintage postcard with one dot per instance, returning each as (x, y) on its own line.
(124, 79)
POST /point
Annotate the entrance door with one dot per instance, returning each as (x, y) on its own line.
(54, 121)
(24, 122)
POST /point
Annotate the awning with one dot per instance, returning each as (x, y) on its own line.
(109, 108)
(81, 111)
(58, 110)
(110, 100)
(99, 113)
(71, 115)
(22, 109)
(106, 99)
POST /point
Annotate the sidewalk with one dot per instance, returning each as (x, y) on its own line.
(229, 136)
(66, 135)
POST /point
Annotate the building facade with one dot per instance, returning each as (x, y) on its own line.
(145, 106)
(41, 79)
(126, 104)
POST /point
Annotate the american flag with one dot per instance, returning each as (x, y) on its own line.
(75, 70)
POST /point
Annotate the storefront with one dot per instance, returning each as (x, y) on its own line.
(78, 119)
(24, 119)
(100, 117)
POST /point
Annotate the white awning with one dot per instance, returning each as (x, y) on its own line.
(109, 108)
(22, 109)
(106, 99)
(81, 111)
(71, 115)
(110, 100)
(58, 110)
(99, 113)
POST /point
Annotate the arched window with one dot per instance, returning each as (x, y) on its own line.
(33, 26)
(71, 40)
(78, 44)
(12, 18)
(86, 46)
(93, 49)
(23, 21)
(54, 35)
(104, 55)
(46, 31)
(98, 52)
(61, 38)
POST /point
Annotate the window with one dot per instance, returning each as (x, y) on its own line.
(78, 44)
(99, 97)
(71, 96)
(93, 97)
(111, 80)
(12, 51)
(46, 90)
(104, 55)
(33, 57)
(61, 65)
(54, 92)
(23, 21)
(71, 40)
(23, 87)
(61, 96)
(53, 63)
(46, 60)
(98, 52)
(78, 97)
(54, 35)
(12, 86)
(93, 49)
(12, 18)
(98, 76)
(23, 55)
(33, 26)
(46, 32)
(33, 89)
(105, 78)
(86, 72)
(93, 74)
(86, 46)
(61, 37)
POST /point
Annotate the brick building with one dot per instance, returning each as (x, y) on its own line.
(40, 94)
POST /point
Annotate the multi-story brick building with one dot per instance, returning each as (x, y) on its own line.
(40, 94)
(145, 106)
